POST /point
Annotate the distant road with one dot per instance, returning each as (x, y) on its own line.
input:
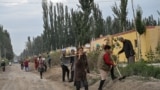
(16, 79)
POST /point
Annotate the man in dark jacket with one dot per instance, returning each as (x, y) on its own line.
(64, 64)
(49, 61)
(72, 62)
(127, 49)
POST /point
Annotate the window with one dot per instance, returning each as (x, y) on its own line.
(136, 43)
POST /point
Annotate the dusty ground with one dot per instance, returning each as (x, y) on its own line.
(16, 79)
(130, 83)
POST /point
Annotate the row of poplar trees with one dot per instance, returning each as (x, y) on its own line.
(65, 27)
(6, 51)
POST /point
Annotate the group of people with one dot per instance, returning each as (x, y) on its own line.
(79, 64)
(106, 64)
(25, 65)
(79, 68)
(75, 66)
(40, 64)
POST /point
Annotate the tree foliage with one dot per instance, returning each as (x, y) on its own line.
(5, 44)
(158, 12)
(121, 14)
(150, 21)
(140, 27)
(64, 27)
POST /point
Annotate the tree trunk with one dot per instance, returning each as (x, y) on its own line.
(137, 35)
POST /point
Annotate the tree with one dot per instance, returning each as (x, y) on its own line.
(34, 47)
(108, 25)
(52, 29)
(64, 28)
(86, 6)
(121, 13)
(158, 12)
(140, 27)
(98, 22)
(6, 50)
(76, 26)
(150, 21)
(29, 47)
(46, 36)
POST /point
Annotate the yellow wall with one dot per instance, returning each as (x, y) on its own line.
(148, 40)
(131, 35)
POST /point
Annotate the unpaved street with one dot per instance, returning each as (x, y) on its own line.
(16, 79)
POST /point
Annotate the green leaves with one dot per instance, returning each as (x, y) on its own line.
(141, 69)
(6, 50)
(140, 27)
(86, 5)
(121, 14)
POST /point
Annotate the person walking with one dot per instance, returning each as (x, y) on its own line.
(105, 65)
(26, 65)
(41, 67)
(49, 60)
(36, 62)
(81, 70)
(72, 62)
(44, 64)
(127, 49)
(22, 64)
(3, 64)
(64, 65)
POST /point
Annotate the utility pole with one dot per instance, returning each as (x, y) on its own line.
(137, 35)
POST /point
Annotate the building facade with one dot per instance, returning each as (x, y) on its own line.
(148, 41)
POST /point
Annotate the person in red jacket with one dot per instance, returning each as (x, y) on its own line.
(107, 59)
(106, 65)
(26, 65)
(36, 62)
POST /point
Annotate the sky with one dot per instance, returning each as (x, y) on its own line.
(23, 18)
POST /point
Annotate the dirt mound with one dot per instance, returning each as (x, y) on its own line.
(131, 83)
(54, 73)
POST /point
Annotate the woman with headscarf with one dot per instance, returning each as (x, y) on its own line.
(81, 70)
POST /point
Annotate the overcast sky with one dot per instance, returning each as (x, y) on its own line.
(23, 18)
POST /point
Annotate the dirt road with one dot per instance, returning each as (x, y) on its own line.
(16, 79)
